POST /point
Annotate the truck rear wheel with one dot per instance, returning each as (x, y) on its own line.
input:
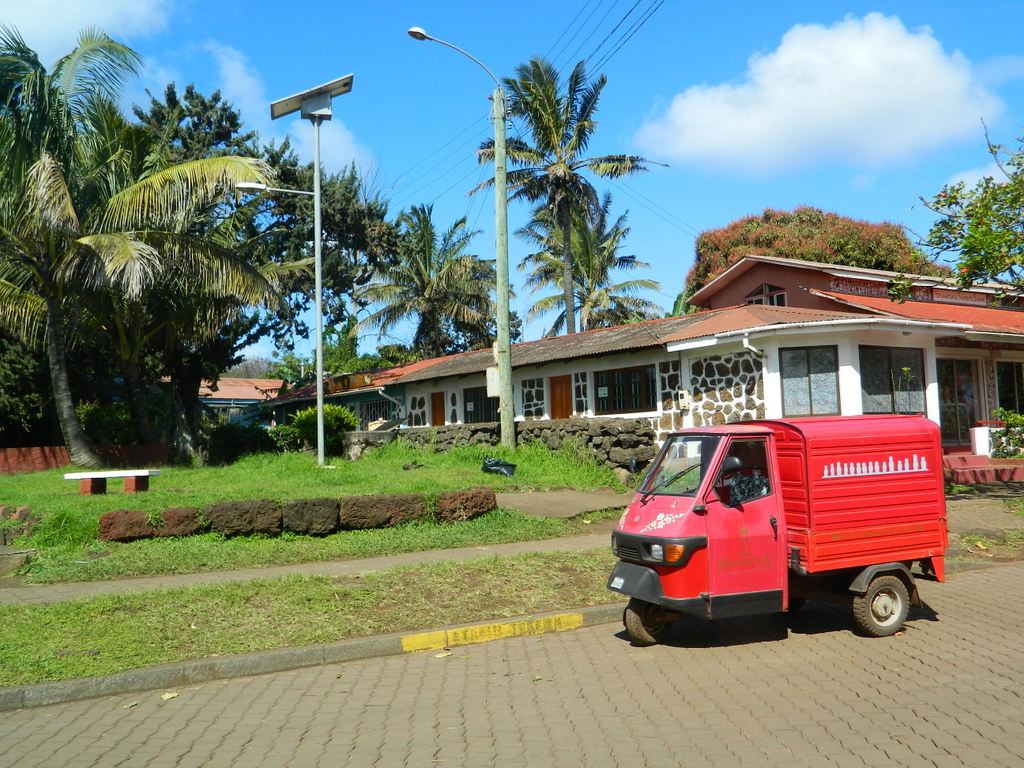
(881, 610)
(645, 622)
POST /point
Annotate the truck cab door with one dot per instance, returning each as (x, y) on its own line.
(745, 532)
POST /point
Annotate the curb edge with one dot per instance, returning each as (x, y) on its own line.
(284, 659)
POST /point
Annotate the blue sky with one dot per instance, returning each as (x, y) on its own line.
(852, 107)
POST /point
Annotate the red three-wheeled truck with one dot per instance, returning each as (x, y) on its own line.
(759, 516)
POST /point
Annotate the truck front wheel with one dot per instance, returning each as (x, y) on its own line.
(645, 622)
(881, 610)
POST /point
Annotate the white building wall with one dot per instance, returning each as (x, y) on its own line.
(848, 356)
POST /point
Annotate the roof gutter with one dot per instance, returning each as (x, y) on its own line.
(996, 336)
(784, 328)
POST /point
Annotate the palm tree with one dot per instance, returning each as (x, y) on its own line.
(432, 279)
(595, 245)
(76, 219)
(560, 120)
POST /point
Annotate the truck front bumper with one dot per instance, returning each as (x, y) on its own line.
(643, 583)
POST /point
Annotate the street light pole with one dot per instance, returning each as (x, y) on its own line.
(319, 286)
(502, 344)
(315, 106)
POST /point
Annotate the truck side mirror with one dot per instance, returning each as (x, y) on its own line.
(731, 464)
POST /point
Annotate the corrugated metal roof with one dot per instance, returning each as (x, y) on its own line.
(756, 316)
(601, 341)
(378, 378)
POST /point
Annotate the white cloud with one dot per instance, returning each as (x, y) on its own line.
(1002, 69)
(972, 176)
(51, 27)
(241, 85)
(338, 145)
(866, 92)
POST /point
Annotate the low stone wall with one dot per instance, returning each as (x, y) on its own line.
(627, 444)
(309, 517)
(37, 458)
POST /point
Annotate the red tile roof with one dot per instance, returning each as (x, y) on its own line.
(980, 319)
(240, 389)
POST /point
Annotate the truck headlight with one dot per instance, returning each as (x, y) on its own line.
(657, 552)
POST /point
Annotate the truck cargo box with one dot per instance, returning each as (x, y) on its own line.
(860, 490)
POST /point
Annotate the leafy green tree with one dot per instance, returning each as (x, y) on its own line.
(252, 368)
(191, 126)
(809, 234)
(23, 393)
(199, 282)
(77, 222)
(201, 332)
(44, 122)
(595, 245)
(433, 280)
(983, 226)
(559, 117)
(356, 235)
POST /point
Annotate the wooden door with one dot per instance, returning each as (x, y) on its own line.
(437, 409)
(561, 396)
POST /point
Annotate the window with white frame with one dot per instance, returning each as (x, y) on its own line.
(810, 381)
(892, 379)
(766, 294)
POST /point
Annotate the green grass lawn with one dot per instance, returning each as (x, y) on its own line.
(69, 550)
(110, 634)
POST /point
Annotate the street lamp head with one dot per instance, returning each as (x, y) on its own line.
(418, 33)
(251, 186)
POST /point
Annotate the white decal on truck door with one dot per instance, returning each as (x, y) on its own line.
(891, 466)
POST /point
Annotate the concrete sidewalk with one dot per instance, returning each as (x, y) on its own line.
(967, 516)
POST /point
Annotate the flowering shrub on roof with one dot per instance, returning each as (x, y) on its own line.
(808, 234)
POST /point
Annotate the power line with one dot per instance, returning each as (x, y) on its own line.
(427, 156)
(575, 31)
(665, 215)
(567, 28)
(620, 23)
(482, 198)
(452, 167)
(628, 34)
(457, 182)
(592, 32)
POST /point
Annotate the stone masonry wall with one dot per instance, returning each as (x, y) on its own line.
(621, 443)
(727, 388)
(669, 382)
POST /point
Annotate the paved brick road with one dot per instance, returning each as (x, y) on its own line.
(802, 691)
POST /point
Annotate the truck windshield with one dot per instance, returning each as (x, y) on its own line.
(681, 466)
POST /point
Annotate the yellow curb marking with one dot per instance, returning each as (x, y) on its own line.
(433, 641)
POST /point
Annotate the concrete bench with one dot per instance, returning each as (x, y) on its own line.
(135, 480)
